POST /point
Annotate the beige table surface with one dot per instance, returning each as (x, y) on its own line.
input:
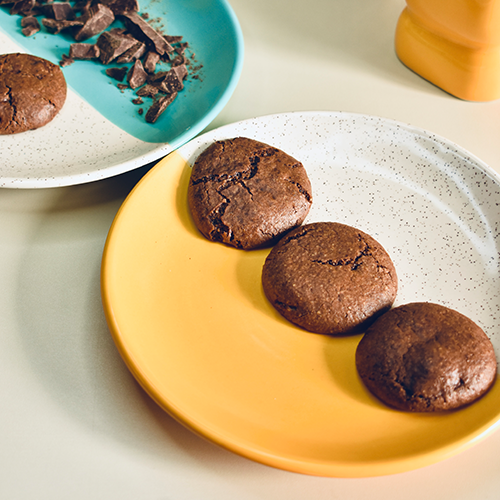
(74, 424)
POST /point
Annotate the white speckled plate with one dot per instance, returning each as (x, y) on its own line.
(99, 133)
(191, 321)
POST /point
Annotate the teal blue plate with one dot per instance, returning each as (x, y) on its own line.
(215, 44)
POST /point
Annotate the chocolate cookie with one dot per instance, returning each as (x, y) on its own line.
(329, 278)
(247, 194)
(32, 91)
(424, 357)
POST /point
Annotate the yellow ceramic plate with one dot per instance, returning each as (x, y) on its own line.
(190, 319)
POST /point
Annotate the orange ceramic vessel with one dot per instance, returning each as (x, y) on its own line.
(454, 44)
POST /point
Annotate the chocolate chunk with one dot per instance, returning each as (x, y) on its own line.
(144, 31)
(178, 60)
(30, 25)
(181, 48)
(150, 61)
(55, 26)
(147, 91)
(173, 38)
(117, 73)
(23, 7)
(66, 61)
(171, 81)
(159, 106)
(59, 11)
(97, 18)
(82, 5)
(138, 101)
(136, 76)
(118, 31)
(135, 52)
(83, 51)
(113, 44)
(121, 6)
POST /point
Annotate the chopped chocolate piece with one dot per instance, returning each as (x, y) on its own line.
(171, 81)
(30, 25)
(97, 18)
(59, 11)
(82, 5)
(159, 106)
(56, 27)
(138, 101)
(83, 51)
(179, 60)
(142, 30)
(117, 73)
(182, 47)
(36, 10)
(118, 31)
(136, 76)
(30, 30)
(150, 61)
(147, 91)
(173, 38)
(66, 61)
(135, 52)
(140, 111)
(181, 71)
(112, 45)
(121, 6)
(122, 86)
(22, 7)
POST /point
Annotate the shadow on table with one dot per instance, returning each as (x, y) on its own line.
(65, 336)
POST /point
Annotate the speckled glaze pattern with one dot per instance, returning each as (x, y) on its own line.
(432, 205)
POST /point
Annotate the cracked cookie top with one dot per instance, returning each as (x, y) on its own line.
(424, 357)
(32, 91)
(329, 278)
(247, 194)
